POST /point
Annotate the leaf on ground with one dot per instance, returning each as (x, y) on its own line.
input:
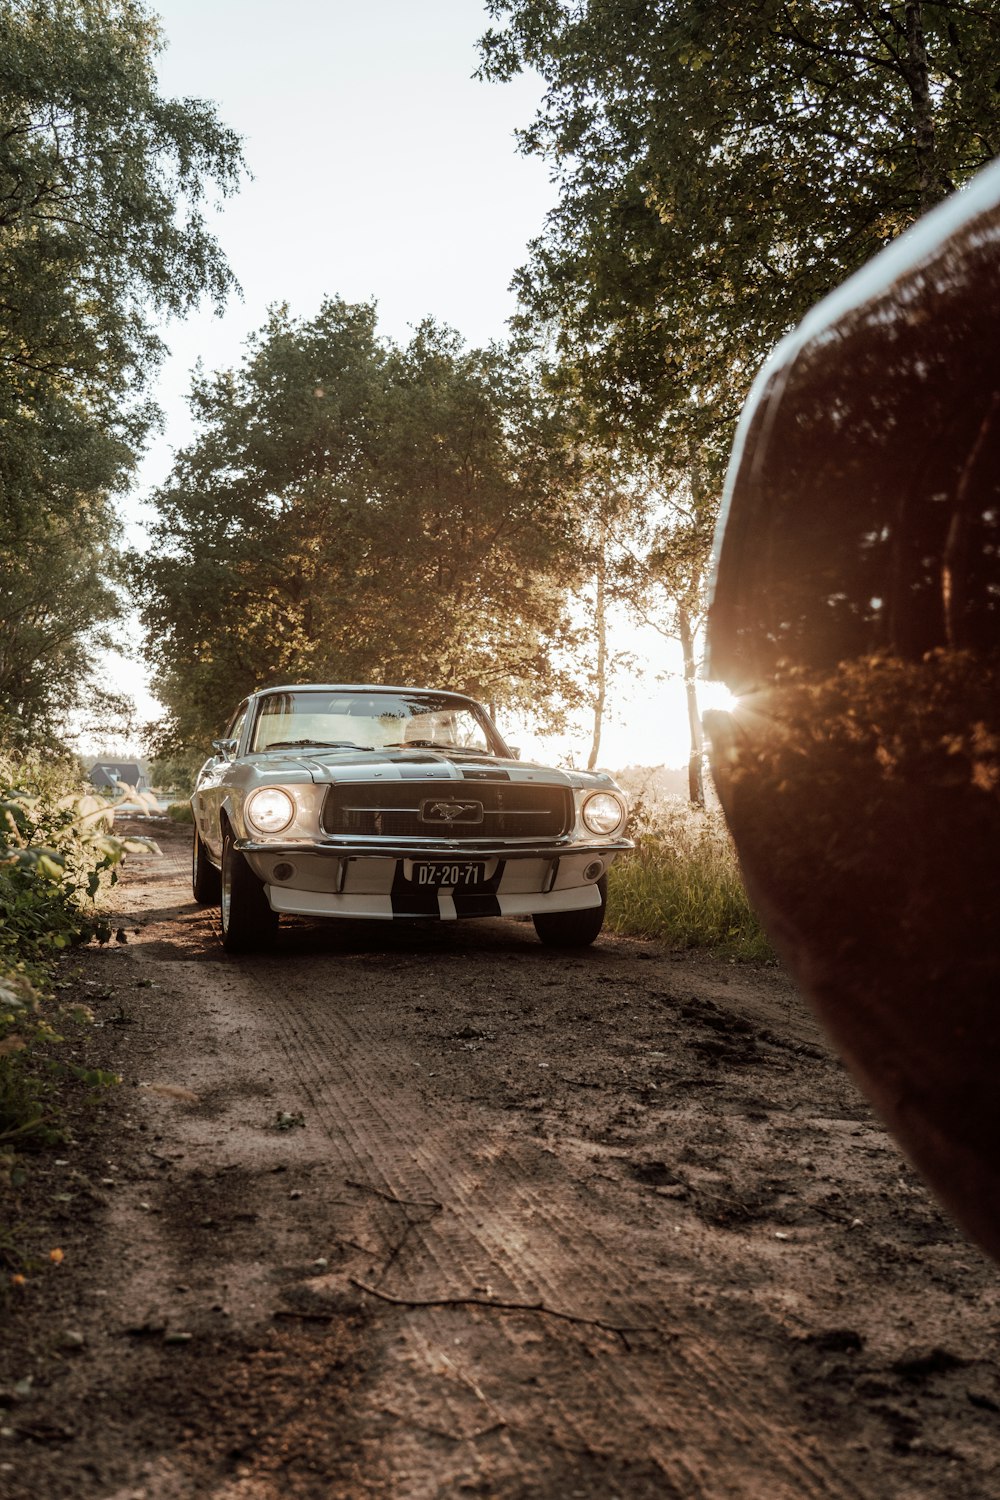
(172, 1091)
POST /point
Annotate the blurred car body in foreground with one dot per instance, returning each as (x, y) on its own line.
(856, 611)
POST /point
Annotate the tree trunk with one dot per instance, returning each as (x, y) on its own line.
(933, 186)
(696, 778)
(601, 624)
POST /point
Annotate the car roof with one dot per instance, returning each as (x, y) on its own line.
(355, 687)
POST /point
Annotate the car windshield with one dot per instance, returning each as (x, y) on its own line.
(372, 721)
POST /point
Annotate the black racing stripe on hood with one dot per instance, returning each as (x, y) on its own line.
(432, 770)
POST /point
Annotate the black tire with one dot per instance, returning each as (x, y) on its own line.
(573, 929)
(247, 919)
(206, 883)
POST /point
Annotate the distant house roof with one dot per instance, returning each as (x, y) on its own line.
(110, 772)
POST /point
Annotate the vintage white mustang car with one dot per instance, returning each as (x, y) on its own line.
(382, 802)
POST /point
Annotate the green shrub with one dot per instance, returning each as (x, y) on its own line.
(180, 812)
(56, 847)
(683, 884)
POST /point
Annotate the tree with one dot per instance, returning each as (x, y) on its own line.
(57, 572)
(723, 166)
(645, 537)
(662, 579)
(356, 511)
(720, 168)
(102, 186)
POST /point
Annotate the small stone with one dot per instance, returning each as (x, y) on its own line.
(72, 1339)
(177, 1338)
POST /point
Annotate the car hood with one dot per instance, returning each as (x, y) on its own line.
(418, 764)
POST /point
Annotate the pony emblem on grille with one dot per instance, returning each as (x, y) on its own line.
(451, 812)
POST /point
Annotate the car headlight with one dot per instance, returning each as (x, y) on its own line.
(269, 809)
(603, 812)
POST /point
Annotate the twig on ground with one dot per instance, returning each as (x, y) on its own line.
(497, 1306)
(366, 1187)
(398, 1247)
(354, 1245)
(452, 1437)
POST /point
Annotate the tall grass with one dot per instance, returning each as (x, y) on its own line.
(683, 884)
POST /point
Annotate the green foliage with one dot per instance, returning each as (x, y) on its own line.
(720, 168)
(55, 849)
(723, 166)
(174, 774)
(356, 511)
(101, 228)
(102, 184)
(180, 812)
(57, 572)
(683, 884)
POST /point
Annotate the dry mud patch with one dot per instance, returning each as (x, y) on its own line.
(436, 1211)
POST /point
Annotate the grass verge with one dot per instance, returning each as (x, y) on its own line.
(683, 884)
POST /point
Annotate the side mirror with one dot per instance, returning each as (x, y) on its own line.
(225, 748)
(515, 751)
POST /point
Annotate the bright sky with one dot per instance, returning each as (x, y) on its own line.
(381, 169)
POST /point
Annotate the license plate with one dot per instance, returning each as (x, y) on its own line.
(460, 873)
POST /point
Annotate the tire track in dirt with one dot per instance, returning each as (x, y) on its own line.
(524, 1244)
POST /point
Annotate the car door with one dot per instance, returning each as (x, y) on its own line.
(213, 783)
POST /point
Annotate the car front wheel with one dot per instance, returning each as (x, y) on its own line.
(205, 882)
(247, 919)
(572, 929)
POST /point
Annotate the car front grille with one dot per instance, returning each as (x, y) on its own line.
(484, 810)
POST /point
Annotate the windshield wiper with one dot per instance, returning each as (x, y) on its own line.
(316, 745)
(416, 745)
(436, 745)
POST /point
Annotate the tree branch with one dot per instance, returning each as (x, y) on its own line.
(618, 1330)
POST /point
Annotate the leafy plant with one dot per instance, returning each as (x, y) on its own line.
(56, 849)
(683, 884)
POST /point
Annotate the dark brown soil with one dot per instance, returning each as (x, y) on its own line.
(437, 1211)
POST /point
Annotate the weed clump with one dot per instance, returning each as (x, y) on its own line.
(683, 884)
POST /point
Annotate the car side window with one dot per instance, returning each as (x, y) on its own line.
(239, 719)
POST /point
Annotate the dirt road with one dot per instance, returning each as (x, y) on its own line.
(441, 1212)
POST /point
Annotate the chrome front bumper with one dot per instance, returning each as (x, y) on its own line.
(380, 882)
